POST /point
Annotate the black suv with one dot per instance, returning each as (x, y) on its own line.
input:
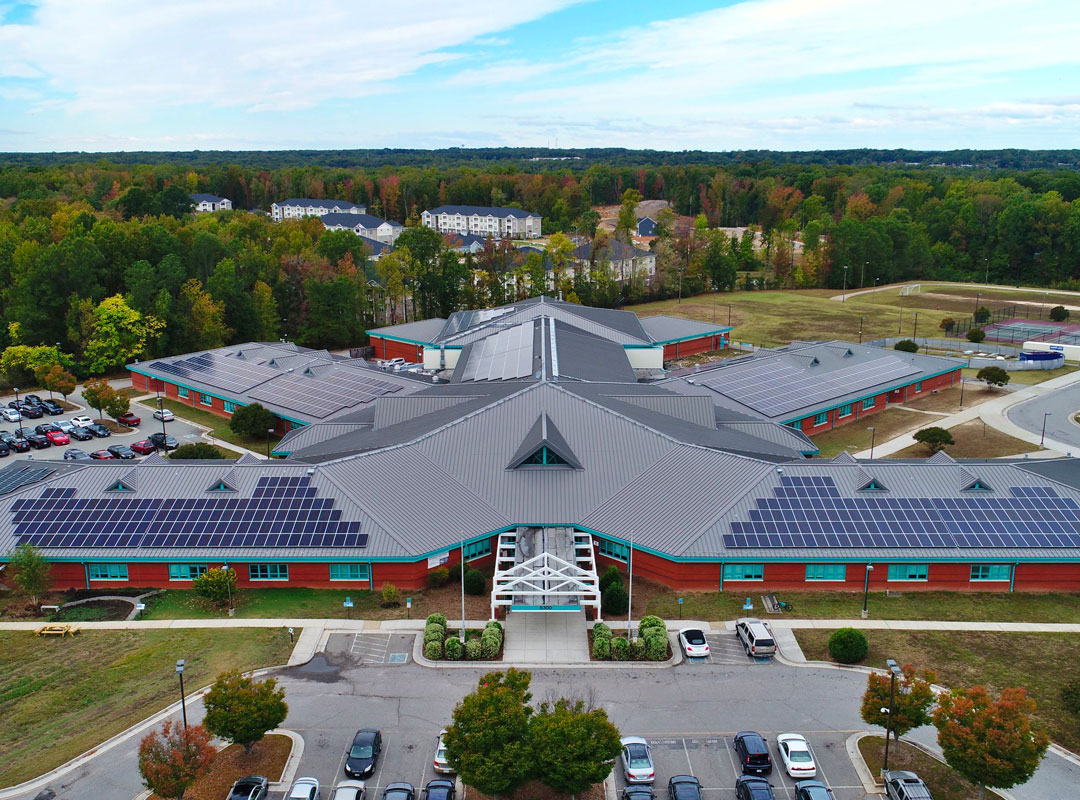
(162, 441)
(438, 789)
(82, 434)
(52, 408)
(637, 792)
(36, 440)
(364, 751)
(753, 753)
(751, 787)
(98, 430)
(28, 410)
(4, 449)
(684, 787)
(15, 441)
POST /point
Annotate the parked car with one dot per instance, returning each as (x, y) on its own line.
(304, 789)
(813, 790)
(363, 753)
(395, 363)
(903, 785)
(756, 637)
(163, 441)
(31, 410)
(99, 430)
(121, 451)
(441, 764)
(81, 421)
(52, 408)
(684, 787)
(349, 790)
(693, 643)
(81, 434)
(4, 449)
(438, 789)
(14, 442)
(58, 437)
(37, 441)
(10, 414)
(32, 398)
(144, 447)
(44, 428)
(129, 419)
(399, 791)
(75, 454)
(751, 787)
(164, 415)
(252, 787)
(637, 760)
(102, 455)
(64, 425)
(795, 753)
(637, 792)
(753, 753)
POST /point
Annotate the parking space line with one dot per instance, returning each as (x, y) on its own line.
(341, 764)
(731, 758)
(821, 771)
(686, 750)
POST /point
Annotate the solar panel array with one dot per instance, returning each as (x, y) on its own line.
(19, 475)
(228, 374)
(282, 512)
(810, 512)
(773, 386)
(506, 354)
(319, 397)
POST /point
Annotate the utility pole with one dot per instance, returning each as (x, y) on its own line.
(843, 297)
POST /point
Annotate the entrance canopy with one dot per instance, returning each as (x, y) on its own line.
(545, 569)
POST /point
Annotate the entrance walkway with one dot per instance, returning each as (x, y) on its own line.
(545, 638)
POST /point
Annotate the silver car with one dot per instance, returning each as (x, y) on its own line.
(637, 760)
(441, 764)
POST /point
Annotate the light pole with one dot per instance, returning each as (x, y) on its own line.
(894, 672)
(961, 394)
(861, 321)
(875, 285)
(630, 599)
(843, 297)
(228, 586)
(268, 432)
(180, 673)
(866, 590)
(1042, 436)
(729, 315)
(986, 277)
(862, 273)
(161, 414)
(461, 633)
(915, 330)
(17, 406)
(873, 437)
(977, 296)
(900, 323)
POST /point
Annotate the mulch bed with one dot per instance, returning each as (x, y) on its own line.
(534, 790)
(98, 611)
(268, 758)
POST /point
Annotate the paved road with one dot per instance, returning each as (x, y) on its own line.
(1061, 405)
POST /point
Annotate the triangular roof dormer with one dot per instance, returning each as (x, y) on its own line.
(544, 446)
(226, 483)
(125, 484)
(978, 486)
(873, 485)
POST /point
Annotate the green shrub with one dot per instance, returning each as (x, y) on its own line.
(1059, 313)
(650, 621)
(437, 619)
(1070, 696)
(474, 582)
(436, 634)
(906, 346)
(390, 594)
(620, 649)
(848, 646)
(494, 624)
(637, 649)
(601, 631)
(438, 578)
(976, 335)
(615, 600)
(472, 649)
(454, 648)
(454, 571)
(656, 647)
(434, 627)
(433, 650)
(611, 575)
(982, 314)
(601, 647)
(490, 644)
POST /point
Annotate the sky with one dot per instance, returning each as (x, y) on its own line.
(103, 75)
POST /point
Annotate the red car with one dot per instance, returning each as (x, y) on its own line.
(144, 448)
(129, 419)
(102, 455)
(58, 437)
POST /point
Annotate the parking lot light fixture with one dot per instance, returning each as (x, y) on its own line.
(866, 590)
(873, 438)
(161, 414)
(228, 586)
(894, 673)
(269, 431)
(180, 674)
(1042, 436)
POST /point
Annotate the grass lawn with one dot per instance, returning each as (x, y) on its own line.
(268, 757)
(974, 439)
(855, 436)
(1027, 377)
(944, 783)
(1037, 662)
(60, 697)
(219, 426)
(948, 400)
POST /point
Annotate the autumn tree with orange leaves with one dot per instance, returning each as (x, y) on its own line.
(911, 704)
(174, 758)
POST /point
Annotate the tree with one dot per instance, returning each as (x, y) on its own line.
(911, 705)
(58, 379)
(174, 201)
(488, 743)
(906, 346)
(572, 747)
(976, 335)
(242, 711)
(252, 420)
(266, 312)
(948, 324)
(993, 376)
(98, 393)
(117, 404)
(626, 224)
(196, 450)
(202, 318)
(934, 438)
(1059, 313)
(174, 758)
(216, 585)
(982, 314)
(19, 363)
(30, 571)
(990, 742)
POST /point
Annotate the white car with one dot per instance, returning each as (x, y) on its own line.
(304, 789)
(637, 760)
(796, 755)
(693, 643)
(82, 421)
(64, 425)
(164, 415)
(441, 764)
(349, 790)
(10, 415)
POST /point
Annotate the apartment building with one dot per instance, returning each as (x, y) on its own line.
(512, 223)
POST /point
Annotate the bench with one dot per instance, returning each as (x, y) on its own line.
(50, 608)
(57, 630)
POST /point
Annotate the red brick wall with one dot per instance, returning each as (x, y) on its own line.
(390, 348)
(806, 425)
(691, 346)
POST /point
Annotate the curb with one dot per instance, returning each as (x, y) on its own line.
(292, 763)
(870, 784)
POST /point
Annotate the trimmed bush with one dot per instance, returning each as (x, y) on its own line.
(474, 582)
(437, 619)
(656, 647)
(906, 346)
(601, 631)
(434, 627)
(436, 634)
(615, 600)
(453, 648)
(390, 594)
(651, 621)
(454, 571)
(494, 624)
(472, 649)
(438, 578)
(637, 649)
(848, 646)
(601, 647)
(1059, 313)
(1070, 696)
(433, 650)
(611, 575)
(976, 335)
(490, 644)
(620, 649)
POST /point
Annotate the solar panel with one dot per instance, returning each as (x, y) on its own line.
(810, 512)
(321, 396)
(506, 354)
(17, 475)
(282, 512)
(228, 374)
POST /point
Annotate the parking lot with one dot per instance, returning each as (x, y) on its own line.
(374, 648)
(711, 758)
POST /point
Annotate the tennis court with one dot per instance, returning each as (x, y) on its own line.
(1022, 329)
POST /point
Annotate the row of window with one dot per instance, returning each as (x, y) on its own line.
(256, 572)
(838, 572)
(844, 411)
(477, 549)
(205, 399)
(616, 550)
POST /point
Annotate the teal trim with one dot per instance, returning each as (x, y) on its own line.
(403, 339)
(717, 332)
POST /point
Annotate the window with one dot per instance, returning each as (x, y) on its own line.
(868, 403)
(545, 456)
(990, 572)
(186, 572)
(616, 550)
(182, 392)
(476, 550)
(268, 572)
(907, 572)
(845, 411)
(230, 406)
(918, 386)
(826, 572)
(977, 486)
(744, 572)
(349, 572)
(107, 572)
(206, 399)
(822, 418)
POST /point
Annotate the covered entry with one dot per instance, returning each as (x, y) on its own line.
(545, 569)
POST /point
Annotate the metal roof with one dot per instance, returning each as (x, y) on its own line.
(483, 211)
(663, 328)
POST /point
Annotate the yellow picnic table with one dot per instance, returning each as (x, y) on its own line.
(57, 630)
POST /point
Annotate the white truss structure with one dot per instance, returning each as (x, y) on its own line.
(545, 582)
